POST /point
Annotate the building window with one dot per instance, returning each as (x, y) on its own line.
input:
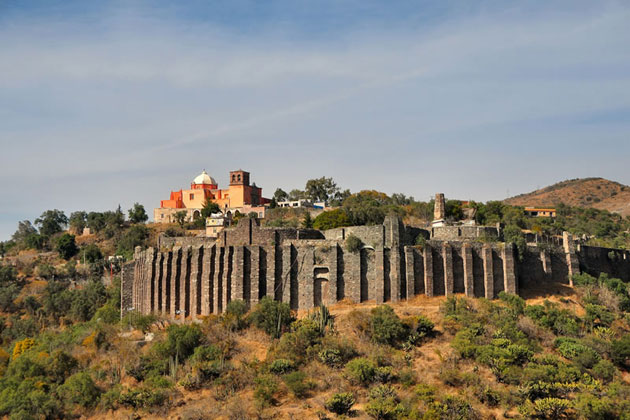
(192, 196)
(162, 216)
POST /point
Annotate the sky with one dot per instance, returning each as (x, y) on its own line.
(108, 103)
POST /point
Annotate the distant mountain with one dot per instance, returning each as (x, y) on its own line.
(597, 193)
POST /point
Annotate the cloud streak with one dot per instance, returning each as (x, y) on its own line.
(124, 108)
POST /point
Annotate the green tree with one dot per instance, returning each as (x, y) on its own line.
(515, 235)
(92, 253)
(51, 222)
(77, 221)
(321, 189)
(180, 218)
(296, 194)
(24, 230)
(307, 221)
(209, 208)
(271, 316)
(332, 219)
(280, 195)
(135, 236)
(137, 214)
(66, 246)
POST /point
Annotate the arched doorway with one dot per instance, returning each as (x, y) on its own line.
(320, 286)
(196, 215)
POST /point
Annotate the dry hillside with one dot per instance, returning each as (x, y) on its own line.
(598, 193)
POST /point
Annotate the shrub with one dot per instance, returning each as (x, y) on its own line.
(143, 398)
(298, 384)
(353, 243)
(233, 317)
(361, 370)
(335, 352)
(66, 246)
(181, 341)
(340, 403)
(266, 387)
(22, 346)
(604, 370)
(331, 219)
(386, 327)
(271, 316)
(384, 409)
(546, 408)
(281, 366)
(80, 389)
(620, 351)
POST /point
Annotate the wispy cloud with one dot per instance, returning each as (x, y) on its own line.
(121, 108)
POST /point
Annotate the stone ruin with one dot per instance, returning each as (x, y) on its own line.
(306, 267)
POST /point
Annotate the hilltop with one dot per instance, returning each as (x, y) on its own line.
(598, 193)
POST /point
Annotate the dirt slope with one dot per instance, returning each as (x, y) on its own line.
(597, 193)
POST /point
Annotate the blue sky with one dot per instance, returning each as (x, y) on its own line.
(107, 103)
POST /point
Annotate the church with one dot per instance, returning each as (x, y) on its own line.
(239, 195)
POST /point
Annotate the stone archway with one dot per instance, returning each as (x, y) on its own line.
(320, 286)
(196, 215)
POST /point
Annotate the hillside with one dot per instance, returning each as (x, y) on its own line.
(598, 193)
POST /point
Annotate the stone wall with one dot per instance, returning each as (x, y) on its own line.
(460, 233)
(305, 268)
(167, 242)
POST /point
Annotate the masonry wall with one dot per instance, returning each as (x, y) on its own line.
(190, 282)
(306, 268)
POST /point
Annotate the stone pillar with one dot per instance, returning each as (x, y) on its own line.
(469, 282)
(447, 257)
(352, 275)
(488, 271)
(428, 270)
(157, 283)
(395, 273)
(333, 275)
(166, 282)
(227, 277)
(175, 280)
(184, 284)
(545, 257)
(379, 283)
(271, 271)
(439, 212)
(305, 277)
(573, 263)
(254, 275)
(206, 274)
(126, 287)
(410, 272)
(196, 266)
(238, 277)
(217, 290)
(509, 269)
(285, 278)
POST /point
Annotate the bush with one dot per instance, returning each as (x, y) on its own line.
(80, 389)
(604, 370)
(271, 316)
(386, 327)
(266, 387)
(546, 408)
(281, 366)
(66, 246)
(361, 370)
(353, 243)
(340, 403)
(143, 398)
(298, 384)
(384, 409)
(234, 315)
(331, 219)
(620, 351)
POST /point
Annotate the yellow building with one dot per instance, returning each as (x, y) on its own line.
(239, 195)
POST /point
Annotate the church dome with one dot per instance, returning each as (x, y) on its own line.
(204, 179)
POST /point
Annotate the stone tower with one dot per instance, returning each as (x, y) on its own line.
(439, 211)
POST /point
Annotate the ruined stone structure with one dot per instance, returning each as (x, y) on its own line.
(306, 267)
